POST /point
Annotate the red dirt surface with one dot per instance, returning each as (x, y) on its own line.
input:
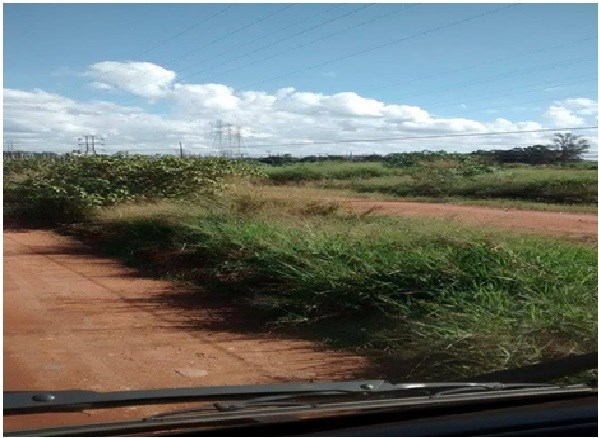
(73, 320)
(578, 226)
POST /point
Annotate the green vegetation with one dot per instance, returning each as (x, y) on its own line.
(539, 185)
(457, 300)
(435, 298)
(567, 148)
(298, 173)
(69, 189)
(446, 177)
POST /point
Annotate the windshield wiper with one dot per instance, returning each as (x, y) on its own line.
(384, 393)
(384, 398)
(55, 401)
(61, 401)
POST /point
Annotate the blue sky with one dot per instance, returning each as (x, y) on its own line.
(523, 67)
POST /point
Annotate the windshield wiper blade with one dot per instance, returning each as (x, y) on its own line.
(55, 401)
(283, 408)
(312, 400)
(35, 402)
(27, 402)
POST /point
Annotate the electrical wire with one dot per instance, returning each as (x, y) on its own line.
(406, 137)
(228, 34)
(387, 44)
(186, 30)
(502, 76)
(493, 61)
(372, 20)
(278, 11)
(512, 91)
(261, 37)
(177, 35)
(347, 14)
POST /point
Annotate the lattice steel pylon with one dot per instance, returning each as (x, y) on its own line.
(227, 139)
(88, 143)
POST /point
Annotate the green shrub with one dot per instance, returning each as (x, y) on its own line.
(69, 189)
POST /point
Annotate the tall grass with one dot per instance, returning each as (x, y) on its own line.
(298, 173)
(549, 185)
(412, 289)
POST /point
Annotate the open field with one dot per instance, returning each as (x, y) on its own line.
(540, 188)
(430, 297)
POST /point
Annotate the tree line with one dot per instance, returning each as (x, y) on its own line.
(565, 148)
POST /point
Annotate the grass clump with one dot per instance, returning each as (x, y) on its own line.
(406, 289)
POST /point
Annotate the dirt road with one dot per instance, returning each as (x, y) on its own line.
(73, 320)
(582, 226)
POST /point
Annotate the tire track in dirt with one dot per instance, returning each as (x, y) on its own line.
(73, 320)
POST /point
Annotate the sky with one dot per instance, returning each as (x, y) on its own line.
(298, 78)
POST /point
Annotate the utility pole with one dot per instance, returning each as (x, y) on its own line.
(180, 150)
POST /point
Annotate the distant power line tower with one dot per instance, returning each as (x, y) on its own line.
(9, 145)
(227, 139)
(238, 143)
(88, 144)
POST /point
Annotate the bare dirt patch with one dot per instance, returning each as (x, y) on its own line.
(579, 226)
(74, 320)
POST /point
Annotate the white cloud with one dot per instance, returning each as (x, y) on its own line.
(562, 116)
(142, 78)
(573, 112)
(199, 97)
(271, 121)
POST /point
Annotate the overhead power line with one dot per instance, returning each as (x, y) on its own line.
(363, 23)
(175, 36)
(513, 104)
(493, 61)
(415, 137)
(186, 30)
(278, 11)
(347, 14)
(501, 76)
(396, 41)
(261, 37)
(513, 91)
(284, 39)
(387, 44)
(233, 32)
(400, 138)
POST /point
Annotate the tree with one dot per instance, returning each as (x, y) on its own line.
(571, 146)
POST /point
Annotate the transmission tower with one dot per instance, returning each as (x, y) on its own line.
(9, 145)
(88, 143)
(217, 139)
(227, 139)
(237, 145)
